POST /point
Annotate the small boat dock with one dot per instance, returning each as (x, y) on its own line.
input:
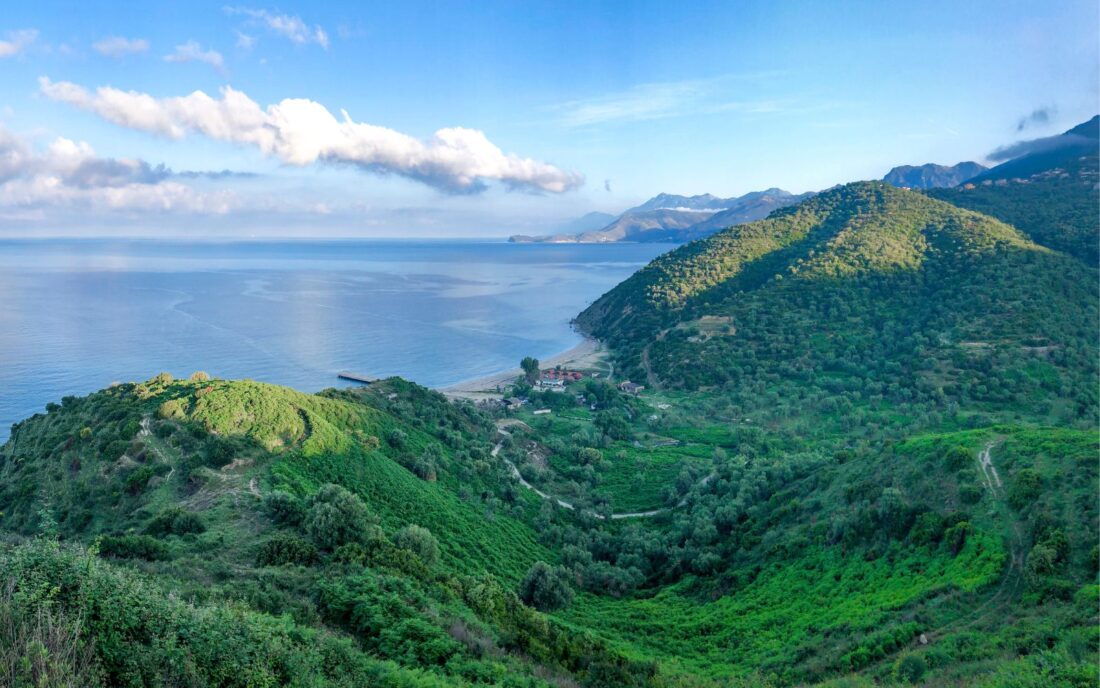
(356, 377)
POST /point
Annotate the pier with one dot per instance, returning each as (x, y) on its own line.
(356, 377)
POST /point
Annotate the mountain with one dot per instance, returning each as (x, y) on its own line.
(586, 223)
(931, 176)
(645, 225)
(749, 208)
(703, 203)
(678, 219)
(1049, 192)
(829, 274)
(1026, 159)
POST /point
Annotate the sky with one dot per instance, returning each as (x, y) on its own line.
(429, 119)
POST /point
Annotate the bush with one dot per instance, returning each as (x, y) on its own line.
(420, 542)
(175, 521)
(200, 376)
(1026, 486)
(910, 668)
(546, 587)
(285, 549)
(133, 547)
(284, 508)
(396, 439)
(44, 648)
(970, 494)
(337, 516)
(138, 479)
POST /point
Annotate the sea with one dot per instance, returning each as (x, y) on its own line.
(78, 315)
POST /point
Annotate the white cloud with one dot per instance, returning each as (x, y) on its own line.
(244, 41)
(667, 99)
(191, 51)
(17, 42)
(302, 132)
(118, 46)
(290, 27)
(68, 174)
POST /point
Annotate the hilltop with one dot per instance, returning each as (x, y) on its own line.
(863, 283)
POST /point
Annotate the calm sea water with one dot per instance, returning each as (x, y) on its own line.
(78, 315)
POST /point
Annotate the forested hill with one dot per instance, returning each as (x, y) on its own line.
(866, 283)
(1051, 195)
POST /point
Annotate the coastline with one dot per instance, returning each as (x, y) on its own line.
(588, 353)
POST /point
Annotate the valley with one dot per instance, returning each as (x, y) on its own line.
(850, 444)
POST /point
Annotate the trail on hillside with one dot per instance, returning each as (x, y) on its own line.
(508, 422)
(1012, 580)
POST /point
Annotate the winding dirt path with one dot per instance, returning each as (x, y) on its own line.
(509, 422)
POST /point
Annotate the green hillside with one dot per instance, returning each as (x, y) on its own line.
(1056, 206)
(865, 291)
(865, 456)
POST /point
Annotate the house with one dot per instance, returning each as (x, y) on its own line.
(541, 412)
(558, 377)
(513, 402)
(630, 388)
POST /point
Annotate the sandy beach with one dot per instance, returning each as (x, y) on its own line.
(586, 355)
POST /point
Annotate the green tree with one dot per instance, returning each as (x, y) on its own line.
(546, 587)
(420, 542)
(337, 516)
(530, 368)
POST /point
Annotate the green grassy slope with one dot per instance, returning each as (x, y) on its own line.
(864, 288)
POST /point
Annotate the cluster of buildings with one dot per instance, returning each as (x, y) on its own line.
(557, 378)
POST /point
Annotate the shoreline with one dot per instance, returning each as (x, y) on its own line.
(587, 353)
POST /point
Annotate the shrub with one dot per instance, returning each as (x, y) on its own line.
(45, 648)
(337, 516)
(955, 536)
(546, 587)
(173, 408)
(956, 458)
(175, 521)
(970, 494)
(285, 508)
(285, 549)
(133, 547)
(1026, 486)
(910, 668)
(138, 479)
(200, 376)
(420, 542)
(396, 439)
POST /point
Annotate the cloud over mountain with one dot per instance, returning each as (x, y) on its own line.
(302, 132)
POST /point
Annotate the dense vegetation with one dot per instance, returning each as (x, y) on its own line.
(865, 455)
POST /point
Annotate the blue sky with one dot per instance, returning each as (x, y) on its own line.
(547, 110)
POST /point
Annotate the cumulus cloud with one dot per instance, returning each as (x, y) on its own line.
(289, 27)
(302, 132)
(191, 51)
(118, 47)
(17, 41)
(69, 174)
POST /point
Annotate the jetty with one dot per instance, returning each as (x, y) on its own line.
(356, 377)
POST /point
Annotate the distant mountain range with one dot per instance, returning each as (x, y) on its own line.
(674, 218)
(931, 176)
